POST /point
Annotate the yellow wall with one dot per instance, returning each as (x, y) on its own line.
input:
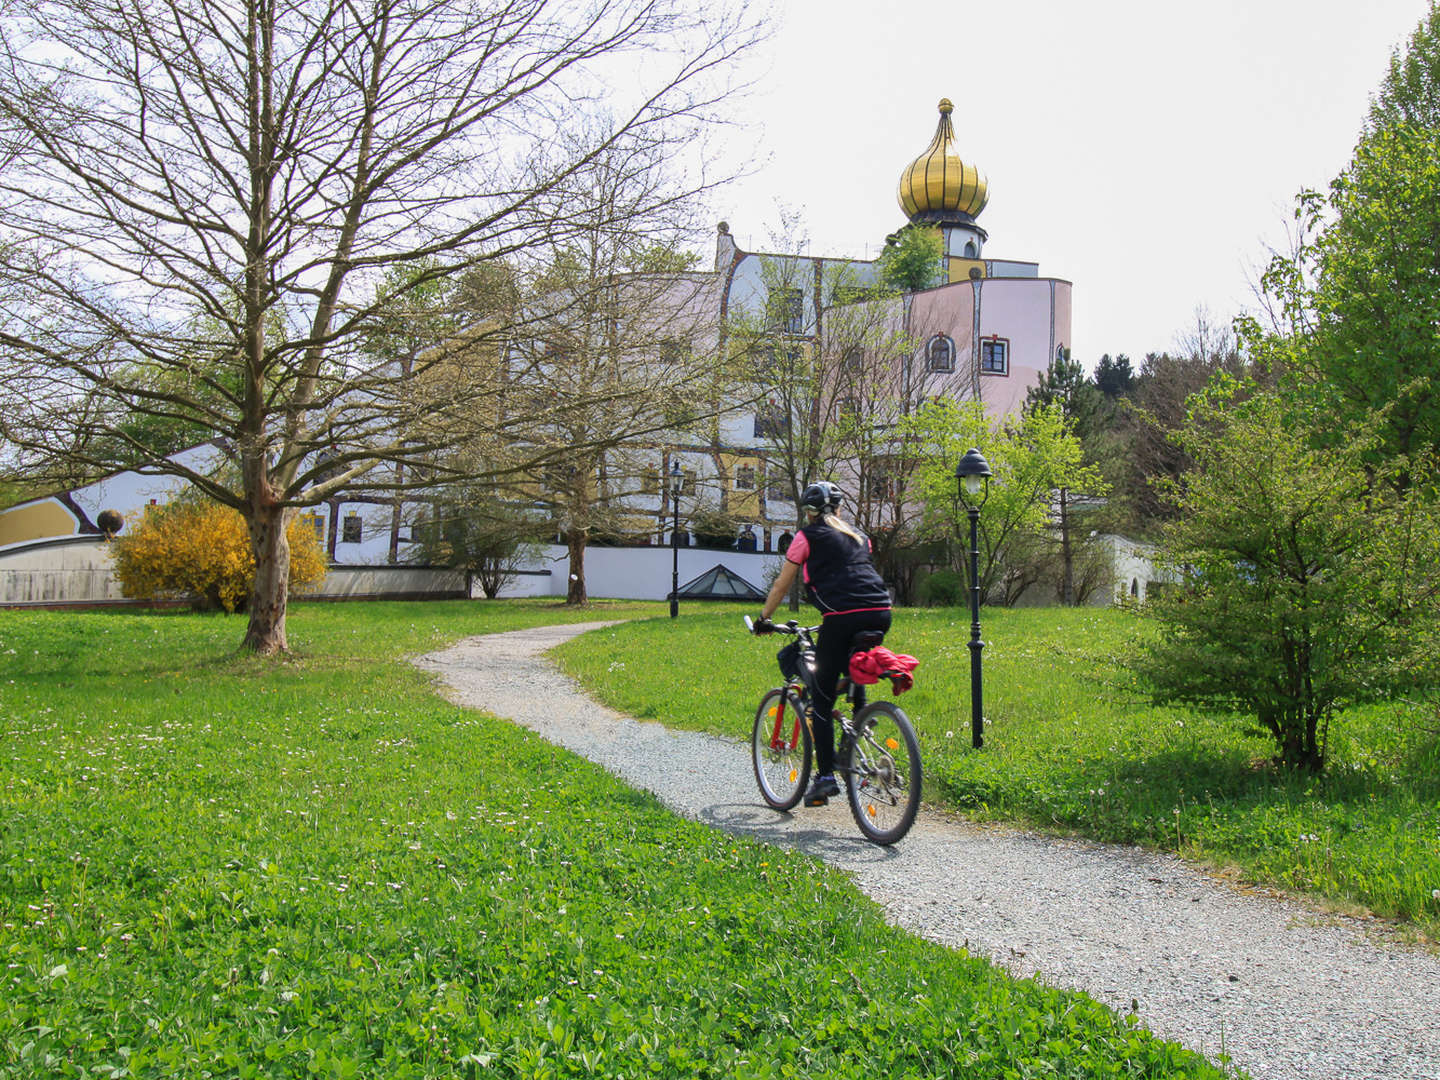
(960, 268)
(741, 503)
(35, 521)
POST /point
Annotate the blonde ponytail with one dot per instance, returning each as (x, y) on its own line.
(840, 526)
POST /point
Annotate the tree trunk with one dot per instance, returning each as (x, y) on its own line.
(1299, 746)
(271, 548)
(575, 542)
(1067, 554)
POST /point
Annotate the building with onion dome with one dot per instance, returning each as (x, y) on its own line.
(987, 331)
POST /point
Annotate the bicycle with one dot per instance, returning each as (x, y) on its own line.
(879, 755)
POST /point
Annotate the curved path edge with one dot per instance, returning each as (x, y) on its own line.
(1286, 991)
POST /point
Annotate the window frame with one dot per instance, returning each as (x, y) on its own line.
(948, 345)
(987, 365)
(787, 310)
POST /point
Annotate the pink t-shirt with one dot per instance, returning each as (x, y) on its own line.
(799, 550)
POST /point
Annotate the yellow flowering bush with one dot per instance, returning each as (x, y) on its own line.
(202, 550)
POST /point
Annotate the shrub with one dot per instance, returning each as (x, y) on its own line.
(944, 588)
(1308, 575)
(202, 550)
(714, 528)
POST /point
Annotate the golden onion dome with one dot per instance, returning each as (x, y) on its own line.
(938, 185)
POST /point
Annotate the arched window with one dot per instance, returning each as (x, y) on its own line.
(970, 251)
(940, 354)
(852, 361)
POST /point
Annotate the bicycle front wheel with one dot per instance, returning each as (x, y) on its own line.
(883, 778)
(780, 748)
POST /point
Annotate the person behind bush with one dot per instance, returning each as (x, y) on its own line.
(835, 560)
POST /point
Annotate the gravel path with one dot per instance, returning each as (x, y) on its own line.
(1286, 991)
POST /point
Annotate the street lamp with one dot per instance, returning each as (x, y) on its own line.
(973, 475)
(677, 480)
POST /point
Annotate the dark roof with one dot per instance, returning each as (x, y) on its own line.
(720, 583)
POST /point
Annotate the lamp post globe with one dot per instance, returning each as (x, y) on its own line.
(972, 477)
(677, 479)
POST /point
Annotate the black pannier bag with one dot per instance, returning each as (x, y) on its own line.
(789, 659)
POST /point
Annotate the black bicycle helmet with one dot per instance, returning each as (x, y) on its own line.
(821, 497)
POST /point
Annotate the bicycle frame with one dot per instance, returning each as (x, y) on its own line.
(852, 692)
(878, 754)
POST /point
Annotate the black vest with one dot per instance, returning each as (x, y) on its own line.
(840, 573)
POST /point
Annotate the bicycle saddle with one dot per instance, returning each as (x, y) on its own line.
(866, 639)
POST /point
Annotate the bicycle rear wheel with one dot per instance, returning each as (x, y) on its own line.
(883, 776)
(780, 748)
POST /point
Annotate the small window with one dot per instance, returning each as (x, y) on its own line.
(745, 478)
(352, 528)
(852, 362)
(771, 422)
(318, 520)
(878, 487)
(787, 310)
(995, 357)
(970, 251)
(940, 354)
(847, 406)
(777, 492)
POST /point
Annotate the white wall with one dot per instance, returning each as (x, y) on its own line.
(632, 573)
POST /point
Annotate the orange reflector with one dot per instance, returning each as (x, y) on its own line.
(792, 775)
(870, 809)
(891, 744)
(772, 711)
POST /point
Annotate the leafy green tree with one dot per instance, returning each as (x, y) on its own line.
(1409, 95)
(1360, 300)
(1063, 383)
(1065, 386)
(1030, 461)
(1114, 377)
(913, 259)
(1304, 584)
(1141, 455)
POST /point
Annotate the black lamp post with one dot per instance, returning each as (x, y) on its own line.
(973, 474)
(677, 479)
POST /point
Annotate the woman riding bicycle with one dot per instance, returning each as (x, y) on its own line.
(844, 584)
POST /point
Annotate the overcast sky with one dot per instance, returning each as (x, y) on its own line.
(1148, 152)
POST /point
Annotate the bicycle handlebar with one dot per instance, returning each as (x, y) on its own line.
(789, 627)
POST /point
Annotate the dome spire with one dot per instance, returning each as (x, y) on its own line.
(938, 186)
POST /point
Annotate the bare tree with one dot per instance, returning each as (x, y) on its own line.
(833, 365)
(201, 198)
(618, 331)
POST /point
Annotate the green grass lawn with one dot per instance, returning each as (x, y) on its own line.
(1072, 746)
(213, 865)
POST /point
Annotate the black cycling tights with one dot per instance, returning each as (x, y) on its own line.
(832, 654)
